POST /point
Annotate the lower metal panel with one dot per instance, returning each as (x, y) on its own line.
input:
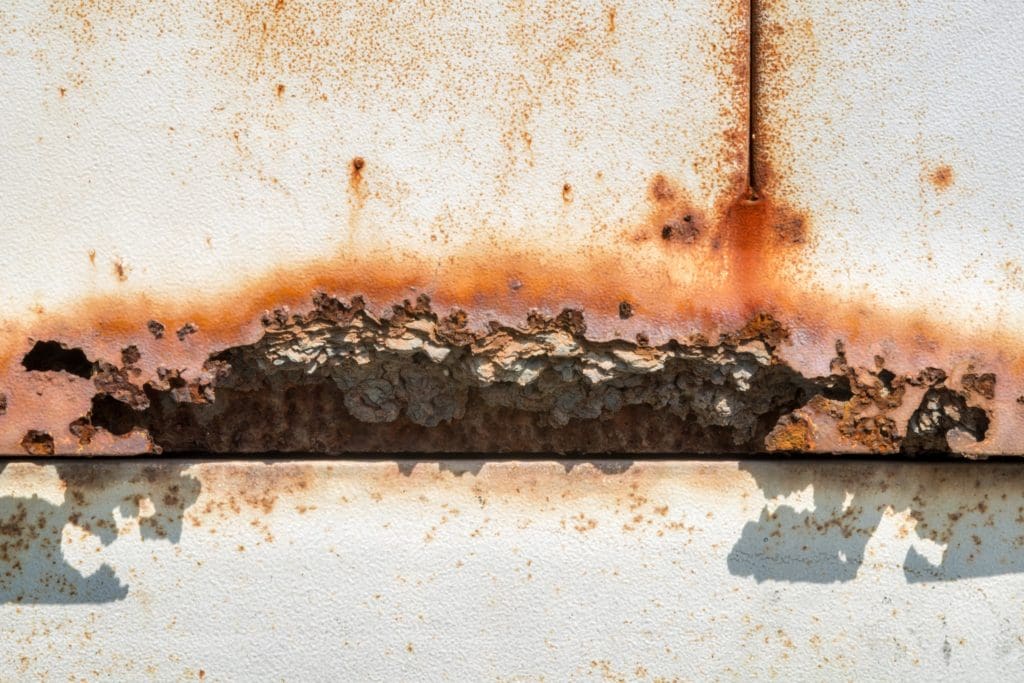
(328, 570)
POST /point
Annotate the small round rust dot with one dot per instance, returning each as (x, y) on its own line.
(358, 163)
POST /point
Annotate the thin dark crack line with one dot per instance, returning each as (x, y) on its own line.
(753, 20)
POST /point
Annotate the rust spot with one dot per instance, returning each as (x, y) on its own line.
(185, 330)
(625, 310)
(120, 269)
(682, 230)
(672, 214)
(983, 384)
(941, 177)
(280, 90)
(62, 91)
(567, 193)
(37, 442)
(611, 19)
(156, 329)
(92, 256)
(792, 434)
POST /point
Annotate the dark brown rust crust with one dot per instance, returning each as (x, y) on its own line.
(339, 380)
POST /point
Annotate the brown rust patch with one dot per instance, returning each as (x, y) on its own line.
(983, 384)
(941, 177)
(120, 269)
(794, 433)
(36, 442)
(673, 216)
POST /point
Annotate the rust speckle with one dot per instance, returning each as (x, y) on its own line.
(941, 177)
(156, 329)
(37, 442)
(185, 330)
(120, 270)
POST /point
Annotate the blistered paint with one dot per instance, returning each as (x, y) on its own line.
(509, 571)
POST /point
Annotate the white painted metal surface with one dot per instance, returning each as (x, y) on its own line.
(898, 125)
(665, 571)
(153, 148)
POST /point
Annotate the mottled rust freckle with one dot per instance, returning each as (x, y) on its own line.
(156, 329)
(185, 330)
(942, 177)
(120, 270)
(625, 310)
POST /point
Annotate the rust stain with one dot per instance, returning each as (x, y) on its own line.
(120, 269)
(741, 246)
(941, 177)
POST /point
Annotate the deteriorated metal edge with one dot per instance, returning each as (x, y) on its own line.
(509, 571)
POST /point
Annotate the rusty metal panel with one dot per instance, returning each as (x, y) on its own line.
(527, 226)
(182, 176)
(165, 569)
(895, 126)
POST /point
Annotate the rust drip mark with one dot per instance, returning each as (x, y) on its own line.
(355, 180)
(358, 193)
(759, 236)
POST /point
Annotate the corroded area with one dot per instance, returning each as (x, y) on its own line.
(340, 379)
(665, 170)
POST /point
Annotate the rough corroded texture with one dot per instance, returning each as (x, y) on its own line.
(339, 379)
(670, 170)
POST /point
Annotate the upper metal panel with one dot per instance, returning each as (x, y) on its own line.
(896, 124)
